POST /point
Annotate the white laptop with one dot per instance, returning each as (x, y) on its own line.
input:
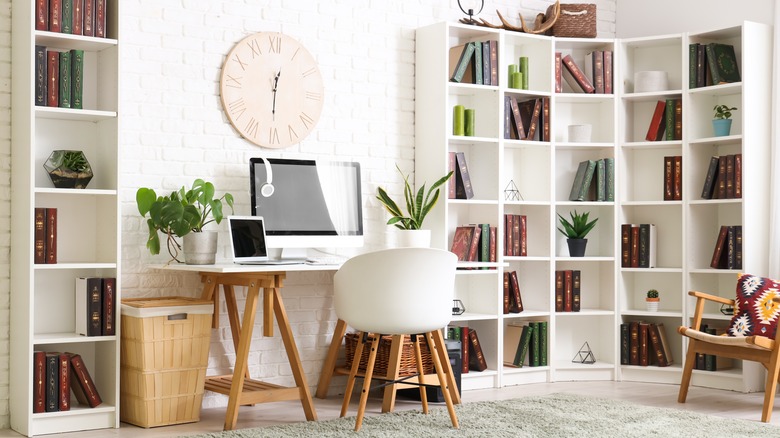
(247, 239)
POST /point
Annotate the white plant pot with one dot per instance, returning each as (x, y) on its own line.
(200, 248)
(414, 238)
(580, 133)
(652, 306)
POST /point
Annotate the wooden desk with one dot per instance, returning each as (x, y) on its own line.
(239, 387)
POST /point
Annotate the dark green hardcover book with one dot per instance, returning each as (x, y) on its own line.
(576, 287)
(463, 62)
(579, 177)
(609, 164)
(535, 350)
(726, 62)
(590, 170)
(624, 348)
(40, 76)
(67, 16)
(542, 343)
(644, 245)
(484, 242)
(669, 114)
(65, 90)
(601, 180)
(709, 180)
(77, 78)
(712, 64)
(477, 65)
(522, 348)
(692, 55)
(486, 63)
(52, 382)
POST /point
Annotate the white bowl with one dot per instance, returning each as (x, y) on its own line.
(647, 81)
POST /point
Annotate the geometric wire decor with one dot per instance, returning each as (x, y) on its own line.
(585, 355)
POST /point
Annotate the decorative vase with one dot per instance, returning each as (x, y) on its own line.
(68, 169)
(721, 127)
(200, 248)
(652, 304)
(414, 238)
(577, 247)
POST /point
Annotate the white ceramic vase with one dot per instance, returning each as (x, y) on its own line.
(200, 248)
(652, 306)
(414, 238)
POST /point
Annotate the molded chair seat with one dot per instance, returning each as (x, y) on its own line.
(400, 291)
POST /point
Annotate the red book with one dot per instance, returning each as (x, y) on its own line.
(508, 240)
(89, 17)
(523, 235)
(493, 62)
(625, 245)
(518, 130)
(730, 176)
(41, 14)
(545, 119)
(568, 290)
(678, 181)
(534, 125)
(461, 242)
(558, 85)
(78, 17)
(51, 235)
(575, 76)
(506, 292)
(492, 257)
(474, 246)
(464, 349)
(39, 381)
(678, 119)
(40, 235)
(634, 246)
(64, 393)
(516, 301)
(516, 235)
(644, 357)
(109, 307)
(81, 382)
(720, 181)
(608, 72)
(738, 175)
(668, 178)
(55, 16)
(100, 18)
(559, 287)
(655, 131)
(633, 355)
(720, 244)
(453, 167)
(477, 359)
(53, 73)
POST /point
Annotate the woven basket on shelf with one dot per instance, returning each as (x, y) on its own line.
(577, 20)
(408, 365)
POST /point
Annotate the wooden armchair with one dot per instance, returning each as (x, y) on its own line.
(753, 348)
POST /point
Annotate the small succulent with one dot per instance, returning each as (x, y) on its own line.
(652, 293)
(579, 227)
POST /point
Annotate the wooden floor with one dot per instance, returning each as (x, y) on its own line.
(708, 401)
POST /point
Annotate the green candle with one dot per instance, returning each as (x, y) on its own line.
(470, 115)
(457, 120)
(516, 81)
(524, 71)
(512, 69)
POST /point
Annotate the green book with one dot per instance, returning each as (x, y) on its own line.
(65, 80)
(609, 164)
(67, 16)
(542, 326)
(484, 242)
(77, 78)
(463, 62)
(478, 63)
(669, 114)
(535, 350)
(724, 61)
(692, 57)
(579, 177)
(712, 64)
(601, 180)
(590, 170)
(522, 347)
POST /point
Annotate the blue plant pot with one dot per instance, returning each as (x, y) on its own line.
(721, 127)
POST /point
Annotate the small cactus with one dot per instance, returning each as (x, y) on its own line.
(652, 293)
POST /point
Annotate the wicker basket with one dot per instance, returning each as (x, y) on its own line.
(577, 20)
(408, 365)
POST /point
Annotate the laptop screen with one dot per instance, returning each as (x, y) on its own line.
(247, 238)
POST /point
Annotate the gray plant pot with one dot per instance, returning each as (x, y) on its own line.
(200, 248)
(577, 247)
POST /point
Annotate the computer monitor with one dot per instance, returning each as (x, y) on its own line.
(314, 204)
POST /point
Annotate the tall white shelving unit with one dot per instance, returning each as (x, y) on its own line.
(88, 243)
(543, 173)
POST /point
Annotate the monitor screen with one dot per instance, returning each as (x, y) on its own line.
(315, 203)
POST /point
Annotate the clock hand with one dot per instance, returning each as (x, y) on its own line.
(276, 83)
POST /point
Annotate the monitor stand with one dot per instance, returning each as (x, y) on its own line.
(286, 256)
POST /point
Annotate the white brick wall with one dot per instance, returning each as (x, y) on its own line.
(173, 130)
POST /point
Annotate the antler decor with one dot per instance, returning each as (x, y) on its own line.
(542, 23)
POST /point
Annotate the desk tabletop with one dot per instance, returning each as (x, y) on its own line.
(226, 268)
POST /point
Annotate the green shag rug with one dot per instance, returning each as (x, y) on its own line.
(556, 415)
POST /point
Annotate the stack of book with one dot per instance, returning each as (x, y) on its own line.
(515, 235)
(55, 375)
(724, 178)
(528, 119)
(666, 121)
(673, 179)
(525, 344)
(475, 243)
(96, 306)
(59, 78)
(728, 248)
(638, 245)
(712, 64)
(475, 62)
(471, 350)
(594, 181)
(568, 290)
(644, 344)
(459, 187)
(513, 302)
(77, 17)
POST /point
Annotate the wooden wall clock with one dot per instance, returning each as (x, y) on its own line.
(271, 89)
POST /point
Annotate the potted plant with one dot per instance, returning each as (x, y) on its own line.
(575, 231)
(418, 205)
(652, 300)
(184, 213)
(68, 169)
(721, 122)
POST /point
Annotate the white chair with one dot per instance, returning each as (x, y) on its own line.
(401, 291)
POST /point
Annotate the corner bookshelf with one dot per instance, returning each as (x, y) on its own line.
(88, 232)
(543, 172)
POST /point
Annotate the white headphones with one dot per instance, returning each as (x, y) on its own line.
(267, 189)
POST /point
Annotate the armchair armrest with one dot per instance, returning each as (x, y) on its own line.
(706, 296)
(701, 297)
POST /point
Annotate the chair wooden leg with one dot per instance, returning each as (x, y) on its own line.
(420, 374)
(367, 381)
(442, 381)
(690, 360)
(773, 371)
(352, 375)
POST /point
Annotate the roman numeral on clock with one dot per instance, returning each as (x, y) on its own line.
(310, 71)
(307, 121)
(254, 46)
(273, 136)
(313, 96)
(233, 81)
(241, 63)
(275, 44)
(252, 127)
(291, 132)
(237, 107)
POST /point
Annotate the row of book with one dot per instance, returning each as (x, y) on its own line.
(55, 375)
(59, 78)
(471, 350)
(712, 64)
(475, 243)
(513, 302)
(724, 178)
(644, 344)
(77, 17)
(515, 235)
(525, 344)
(475, 62)
(673, 179)
(45, 243)
(728, 248)
(568, 286)
(594, 181)
(666, 121)
(710, 362)
(96, 306)
(594, 77)
(459, 186)
(528, 119)
(638, 245)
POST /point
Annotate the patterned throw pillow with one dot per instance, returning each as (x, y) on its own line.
(754, 312)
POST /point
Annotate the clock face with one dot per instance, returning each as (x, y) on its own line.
(271, 90)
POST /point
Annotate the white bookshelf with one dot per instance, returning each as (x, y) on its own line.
(88, 243)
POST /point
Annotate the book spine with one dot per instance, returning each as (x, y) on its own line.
(516, 299)
(65, 89)
(575, 290)
(516, 243)
(493, 244)
(625, 245)
(519, 130)
(624, 348)
(523, 233)
(465, 343)
(668, 178)
(39, 381)
(713, 64)
(669, 114)
(559, 291)
(655, 344)
(67, 16)
(508, 235)
(100, 19)
(109, 307)
(89, 17)
(644, 357)
(474, 245)
(477, 64)
(578, 75)
(692, 55)
(40, 235)
(53, 75)
(509, 131)
(633, 358)
(738, 247)
(507, 293)
(468, 190)
(601, 180)
(730, 176)
(644, 245)
(41, 14)
(678, 119)
(634, 246)
(701, 66)
(598, 71)
(535, 345)
(486, 63)
(64, 381)
(721, 179)
(678, 178)
(568, 291)
(720, 244)
(533, 127)
(460, 69)
(78, 17)
(709, 179)
(94, 306)
(77, 78)
(525, 343)
(738, 175)
(731, 247)
(52, 383)
(493, 62)
(51, 235)
(546, 119)
(477, 359)
(452, 182)
(657, 122)
(40, 76)
(608, 76)
(610, 166)
(82, 379)
(558, 61)
(542, 326)
(55, 15)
